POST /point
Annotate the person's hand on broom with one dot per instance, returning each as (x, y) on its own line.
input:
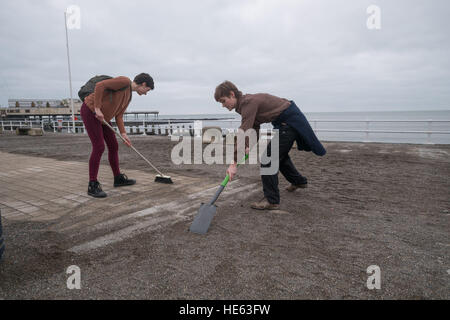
(126, 140)
(99, 115)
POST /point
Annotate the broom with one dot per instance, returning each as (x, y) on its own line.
(161, 178)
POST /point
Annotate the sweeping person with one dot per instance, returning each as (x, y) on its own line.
(285, 116)
(104, 100)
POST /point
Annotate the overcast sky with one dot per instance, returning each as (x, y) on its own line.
(319, 53)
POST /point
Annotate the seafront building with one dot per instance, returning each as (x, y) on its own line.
(39, 108)
(19, 109)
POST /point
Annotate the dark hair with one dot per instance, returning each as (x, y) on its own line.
(224, 89)
(144, 77)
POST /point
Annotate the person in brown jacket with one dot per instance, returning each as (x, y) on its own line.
(292, 125)
(109, 100)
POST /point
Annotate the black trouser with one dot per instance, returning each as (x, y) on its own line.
(287, 136)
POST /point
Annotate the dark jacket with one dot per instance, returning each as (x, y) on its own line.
(307, 139)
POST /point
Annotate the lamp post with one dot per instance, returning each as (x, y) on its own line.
(70, 74)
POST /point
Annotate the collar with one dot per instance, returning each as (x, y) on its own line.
(238, 104)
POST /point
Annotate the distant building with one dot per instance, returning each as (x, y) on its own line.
(40, 107)
(41, 103)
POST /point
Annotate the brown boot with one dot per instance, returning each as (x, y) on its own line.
(264, 205)
(293, 187)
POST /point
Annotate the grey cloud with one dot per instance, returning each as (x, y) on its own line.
(319, 53)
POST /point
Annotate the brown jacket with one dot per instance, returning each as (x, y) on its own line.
(257, 109)
(110, 99)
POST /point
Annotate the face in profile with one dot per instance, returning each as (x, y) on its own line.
(229, 102)
(142, 89)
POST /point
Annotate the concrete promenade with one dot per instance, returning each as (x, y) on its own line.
(366, 204)
(40, 189)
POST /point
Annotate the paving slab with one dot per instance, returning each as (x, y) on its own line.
(43, 189)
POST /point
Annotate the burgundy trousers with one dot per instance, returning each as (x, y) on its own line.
(99, 134)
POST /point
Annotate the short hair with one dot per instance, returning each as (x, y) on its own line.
(144, 77)
(224, 89)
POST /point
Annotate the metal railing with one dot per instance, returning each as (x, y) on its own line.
(234, 124)
(429, 132)
(67, 127)
(228, 126)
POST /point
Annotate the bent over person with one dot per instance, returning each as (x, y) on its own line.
(285, 116)
(105, 98)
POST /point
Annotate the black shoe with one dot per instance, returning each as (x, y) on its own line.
(122, 180)
(293, 187)
(95, 190)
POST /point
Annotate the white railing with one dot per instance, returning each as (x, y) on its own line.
(228, 126)
(67, 127)
(234, 124)
(429, 132)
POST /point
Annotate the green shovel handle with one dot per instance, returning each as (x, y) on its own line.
(227, 178)
(225, 181)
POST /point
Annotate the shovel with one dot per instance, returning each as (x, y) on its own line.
(207, 211)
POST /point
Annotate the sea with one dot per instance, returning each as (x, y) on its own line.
(395, 126)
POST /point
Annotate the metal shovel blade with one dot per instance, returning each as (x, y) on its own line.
(203, 219)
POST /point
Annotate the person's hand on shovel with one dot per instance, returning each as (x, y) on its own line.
(126, 140)
(232, 169)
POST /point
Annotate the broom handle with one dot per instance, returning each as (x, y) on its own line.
(104, 121)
